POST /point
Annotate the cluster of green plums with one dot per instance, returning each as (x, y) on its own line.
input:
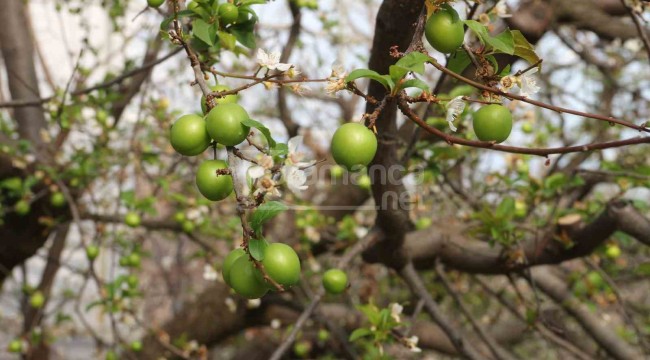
(444, 31)
(192, 134)
(228, 12)
(280, 262)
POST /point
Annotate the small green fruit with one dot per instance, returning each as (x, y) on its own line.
(92, 252)
(57, 199)
(134, 260)
(22, 207)
(15, 346)
(335, 281)
(224, 124)
(245, 279)
(337, 171)
(229, 261)
(132, 219)
(228, 99)
(228, 13)
(136, 346)
(444, 30)
(492, 123)
(613, 251)
(155, 3)
(364, 182)
(189, 135)
(282, 264)
(37, 300)
(302, 348)
(353, 146)
(132, 281)
(179, 217)
(187, 226)
(213, 186)
(423, 223)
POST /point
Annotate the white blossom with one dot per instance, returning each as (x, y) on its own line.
(271, 60)
(412, 344)
(454, 109)
(501, 9)
(209, 273)
(528, 84)
(253, 303)
(295, 156)
(336, 81)
(275, 324)
(295, 178)
(395, 311)
(231, 304)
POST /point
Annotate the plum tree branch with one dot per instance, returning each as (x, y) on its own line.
(406, 110)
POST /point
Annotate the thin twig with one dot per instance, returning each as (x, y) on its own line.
(497, 351)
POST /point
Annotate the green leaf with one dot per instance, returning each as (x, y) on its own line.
(414, 62)
(227, 40)
(458, 61)
(365, 73)
(256, 247)
(280, 149)
(202, 31)
(503, 42)
(251, 2)
(506, 209)
(266, 212)
(479, 29)
(263, 129)
(245, 37)
(505, 71)
(523, 48)
(417, 83)
(359, 333)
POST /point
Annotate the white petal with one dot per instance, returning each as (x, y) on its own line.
(262, 57)
(294, 143)
(454, 109)
(283, 67)
(256, 171)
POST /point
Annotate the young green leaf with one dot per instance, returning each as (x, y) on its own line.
(202, 31)
(359, 333)
(417, 83)
(523, 48)
(256, 247)
(263, 129)
(264, 213)
(373, 75)
(458, 61)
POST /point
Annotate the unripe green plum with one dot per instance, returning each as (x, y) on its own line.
(228, 99)
(189, 135)
(132, 219)
(229, 261)
(57, 199)
(335, 281)
(155, 3)
(492, 123)
(22, 207)
(444, 30)
(213, 186)
(282, 264)
(224, 124)
(244, 279)
(92, 252)
(353, 146)
(228, 13)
